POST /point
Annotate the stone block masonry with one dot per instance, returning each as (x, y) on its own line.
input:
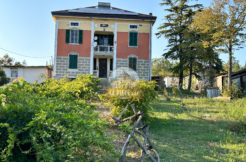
(142, 67)
(62, 67)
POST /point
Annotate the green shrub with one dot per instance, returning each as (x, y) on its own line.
(38, 125)
(3, 78)
(83, 87)
(233, 91)
(176, 92)
(140, 93)
(166, 94)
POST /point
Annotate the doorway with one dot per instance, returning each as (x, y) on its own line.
(102, 68)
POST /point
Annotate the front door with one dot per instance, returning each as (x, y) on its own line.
(103, 68)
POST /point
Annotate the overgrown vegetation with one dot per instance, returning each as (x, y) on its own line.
(140, 93)
(234, 92)
(51, 122)
(3, 78)
(199, 129)
(175, 92)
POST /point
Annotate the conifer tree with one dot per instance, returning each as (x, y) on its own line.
(174, 29)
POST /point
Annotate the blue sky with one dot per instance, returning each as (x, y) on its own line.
(27, 27)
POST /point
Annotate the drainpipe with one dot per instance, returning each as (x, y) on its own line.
(150, 53)
(55, 49)
(92, 47)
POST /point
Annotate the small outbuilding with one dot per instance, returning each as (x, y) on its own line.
(29, 73)
(239, 78)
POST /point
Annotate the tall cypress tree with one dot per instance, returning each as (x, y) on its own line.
(174, 29)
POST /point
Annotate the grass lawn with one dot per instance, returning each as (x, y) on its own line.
(199, 129)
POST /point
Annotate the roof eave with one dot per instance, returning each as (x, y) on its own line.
(134, 17)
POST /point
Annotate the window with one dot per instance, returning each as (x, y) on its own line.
(133, 63)
(95, 64)
(14, 73)
(74, 24)
(104, 25)
(133, 39)
(236, 82)
(74, 36)
(244, 83)
(133, 27)
(105, 40)
(111, 64)
(73, 61)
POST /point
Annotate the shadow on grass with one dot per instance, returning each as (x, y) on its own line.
(190, 140)
(188, 136)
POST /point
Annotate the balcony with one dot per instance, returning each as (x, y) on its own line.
(102, 50)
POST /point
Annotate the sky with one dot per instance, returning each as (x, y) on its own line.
(27, 29)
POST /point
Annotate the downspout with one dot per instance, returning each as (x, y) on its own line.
(150, 53)
(92, 47)
(55, 49)
(115, 47)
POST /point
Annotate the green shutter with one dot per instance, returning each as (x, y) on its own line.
(133, 39)
(67, 36)
(73, 61)
(130, 62)
(136, 39)
(80, 36)
(134, 66)
(133, 63)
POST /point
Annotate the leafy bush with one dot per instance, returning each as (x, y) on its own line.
(3, 78)
(175, 92)
(166, 94)
(140, 93)
(233, 91)
(83, 87)
(39, 125)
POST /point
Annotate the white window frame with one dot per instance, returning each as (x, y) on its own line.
(129, 27)
(16, 70)
(70, 36)
(70, 22)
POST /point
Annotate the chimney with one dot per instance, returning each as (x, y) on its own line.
(150, 14)
(104, 5)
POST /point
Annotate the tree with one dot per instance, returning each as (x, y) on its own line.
(162, 67)
(235, 65)
(244, 67)
(174, 29)
(8, 61)
(225, 23)
(3, 78)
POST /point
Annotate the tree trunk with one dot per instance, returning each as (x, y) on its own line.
(190, 77)
(181, 76)
(230, 65)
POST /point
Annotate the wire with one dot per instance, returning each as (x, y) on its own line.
(18, 54)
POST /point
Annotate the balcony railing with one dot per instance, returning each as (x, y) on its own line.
(104, 50)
